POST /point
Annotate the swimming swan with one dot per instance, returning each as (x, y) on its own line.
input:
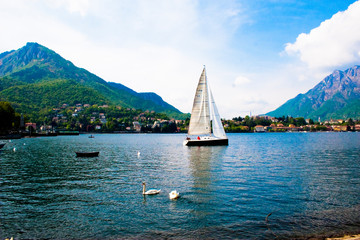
(151, 191)
(174, 194)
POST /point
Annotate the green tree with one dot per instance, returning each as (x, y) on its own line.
(169, 128)
(351, 122)
(300, 121)
(7, 116)
(249, 122)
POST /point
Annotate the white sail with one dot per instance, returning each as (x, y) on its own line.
(200, 114)
(204, 111)
(218, 129)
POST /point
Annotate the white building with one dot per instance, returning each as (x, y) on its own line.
(259, 128)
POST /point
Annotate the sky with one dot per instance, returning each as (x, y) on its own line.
(258, 53)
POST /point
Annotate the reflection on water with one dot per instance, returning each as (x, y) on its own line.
(202, 161)
(306, 183)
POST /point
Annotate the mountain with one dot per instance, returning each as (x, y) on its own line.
(35, 77)
(145, 95)
(335, 97)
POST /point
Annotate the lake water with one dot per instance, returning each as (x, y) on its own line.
(261, 186)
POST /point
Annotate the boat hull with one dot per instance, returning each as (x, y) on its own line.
(2, 145)
(87, 154)
(207, 142)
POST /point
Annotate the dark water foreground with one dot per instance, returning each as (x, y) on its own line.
(261, 186)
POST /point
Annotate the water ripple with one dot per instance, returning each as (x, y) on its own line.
(262, 186)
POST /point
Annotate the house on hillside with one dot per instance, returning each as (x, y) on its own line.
(293, 128)
(137, 126)
(259, 128)
(156, 124)
(339, 128)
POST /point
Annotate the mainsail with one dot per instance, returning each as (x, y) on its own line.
(218, 129)
(200, 114)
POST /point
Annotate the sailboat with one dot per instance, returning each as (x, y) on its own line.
(204, 112)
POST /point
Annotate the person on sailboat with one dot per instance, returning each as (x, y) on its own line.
(198, 138)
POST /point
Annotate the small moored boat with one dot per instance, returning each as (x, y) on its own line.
(87, 154)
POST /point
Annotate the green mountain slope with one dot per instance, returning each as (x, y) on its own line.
(335, 97)
(44, 95)
(35, 64)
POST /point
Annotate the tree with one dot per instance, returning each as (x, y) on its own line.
(7, 116)
(300, 121)
(239, 119)
(249, 122)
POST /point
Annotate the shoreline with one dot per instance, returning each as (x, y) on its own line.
(346, 237)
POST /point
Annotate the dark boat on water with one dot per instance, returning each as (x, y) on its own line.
(2, 145)
(87, 154)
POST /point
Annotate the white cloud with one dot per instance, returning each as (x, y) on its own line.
(157, 46)
(335, 43)
(78, 6)
(241, 80)
(73, 6)
(24, 22)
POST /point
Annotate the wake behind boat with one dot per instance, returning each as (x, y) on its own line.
(205, 121)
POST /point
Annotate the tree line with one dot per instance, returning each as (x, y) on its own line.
(117, 119)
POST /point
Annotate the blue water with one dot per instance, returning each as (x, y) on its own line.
(261, 186)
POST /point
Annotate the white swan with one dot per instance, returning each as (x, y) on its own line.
(174, 194)
(151, 191)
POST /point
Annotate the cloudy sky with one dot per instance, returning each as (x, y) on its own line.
(258, 53)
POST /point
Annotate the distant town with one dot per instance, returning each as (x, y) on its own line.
(86, 118)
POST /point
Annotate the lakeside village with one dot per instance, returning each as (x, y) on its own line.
(84, 118)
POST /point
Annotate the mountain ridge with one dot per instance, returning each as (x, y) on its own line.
(336, 96)
(34, 63)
